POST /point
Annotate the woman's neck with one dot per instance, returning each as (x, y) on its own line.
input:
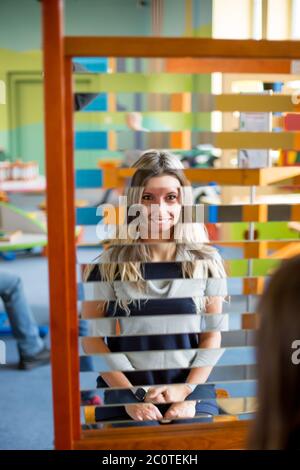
(162, 248)
(161, 251)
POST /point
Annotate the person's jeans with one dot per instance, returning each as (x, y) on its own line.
(23, 325)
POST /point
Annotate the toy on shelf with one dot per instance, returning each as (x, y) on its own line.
(201, 156)
(37, 185)
(18, 171)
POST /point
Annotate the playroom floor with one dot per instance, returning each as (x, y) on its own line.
(25, 396)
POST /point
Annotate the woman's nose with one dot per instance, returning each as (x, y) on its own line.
(159, 208)
(162, 206)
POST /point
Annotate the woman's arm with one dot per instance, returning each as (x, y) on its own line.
(138, 412)
(209, 340)
(182, 408)
(115, 378)
(197, 375)
(97, 310)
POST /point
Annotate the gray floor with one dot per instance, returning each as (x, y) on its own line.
(25, 396)
(25, 406)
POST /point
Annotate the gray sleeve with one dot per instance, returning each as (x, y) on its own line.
(98, 290)
(215, 322)
(207, 357)
(216, 287)
(105, 290)
(117, 361)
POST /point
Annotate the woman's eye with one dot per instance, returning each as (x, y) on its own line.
(172, 197)
(146, 197)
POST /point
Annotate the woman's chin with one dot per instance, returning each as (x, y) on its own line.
(159, 231)
(162, 233)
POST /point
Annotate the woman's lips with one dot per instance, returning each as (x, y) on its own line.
(160, 221)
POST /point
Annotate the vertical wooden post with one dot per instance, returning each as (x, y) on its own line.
(71, 246)
(60, 282)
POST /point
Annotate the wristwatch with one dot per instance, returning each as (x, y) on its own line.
(139, 393)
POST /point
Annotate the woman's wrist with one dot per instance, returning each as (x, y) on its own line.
(189, 388)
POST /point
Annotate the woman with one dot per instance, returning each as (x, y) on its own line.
(162, 267)
(277, 424)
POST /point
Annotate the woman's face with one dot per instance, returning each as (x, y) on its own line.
(161, 197)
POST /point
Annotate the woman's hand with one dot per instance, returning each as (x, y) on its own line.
(186, 409)
(168, 393)
(143, 412)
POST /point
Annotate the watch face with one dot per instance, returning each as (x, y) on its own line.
(140, 394)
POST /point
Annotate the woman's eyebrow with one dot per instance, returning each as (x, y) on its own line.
(175, 190)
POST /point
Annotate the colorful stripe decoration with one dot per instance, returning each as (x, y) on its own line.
(224, 140)
(90, 140)
(202, 102)
(88, 179)
(93, 64)
(100, 103)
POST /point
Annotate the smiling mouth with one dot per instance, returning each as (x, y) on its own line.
(160, 221)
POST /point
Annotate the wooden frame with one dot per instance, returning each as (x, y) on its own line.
(58, 53)
(115, 177)
(227, 435)
(207, 65)
(61, 244)
(109, 46)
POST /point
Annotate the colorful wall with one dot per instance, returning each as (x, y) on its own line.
(21, 117)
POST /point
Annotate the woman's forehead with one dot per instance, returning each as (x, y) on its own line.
(163, 183)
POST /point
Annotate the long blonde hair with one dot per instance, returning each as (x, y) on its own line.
(123, 257)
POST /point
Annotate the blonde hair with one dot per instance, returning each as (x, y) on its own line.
(200, 260)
